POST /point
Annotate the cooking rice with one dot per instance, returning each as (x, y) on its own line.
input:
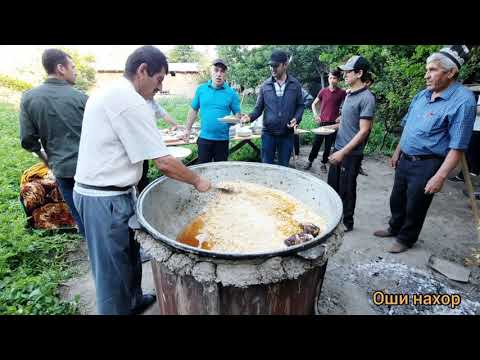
(253, 218)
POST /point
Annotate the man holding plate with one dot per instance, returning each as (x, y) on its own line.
(214, 100)
(330, 100)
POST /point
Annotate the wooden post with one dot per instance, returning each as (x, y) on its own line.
(468, 182)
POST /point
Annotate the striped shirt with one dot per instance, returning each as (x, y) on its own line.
(279, 89)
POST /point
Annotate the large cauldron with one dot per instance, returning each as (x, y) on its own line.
(194, 281)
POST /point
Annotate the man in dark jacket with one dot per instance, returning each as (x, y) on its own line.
(281, 101)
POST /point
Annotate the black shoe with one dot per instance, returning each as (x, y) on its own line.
(456, 179)
(323, 168)
(309, 166)
(147, 301)
(348, 228)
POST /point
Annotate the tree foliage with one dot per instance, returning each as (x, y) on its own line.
(398, 70)
(184, 54)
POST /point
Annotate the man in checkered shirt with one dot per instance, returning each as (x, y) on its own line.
(436, 132)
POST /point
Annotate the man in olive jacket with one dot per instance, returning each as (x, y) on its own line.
(51, 118)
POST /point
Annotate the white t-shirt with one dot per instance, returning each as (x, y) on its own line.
(118, 133)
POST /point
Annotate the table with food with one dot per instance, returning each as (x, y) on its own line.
(174, 140)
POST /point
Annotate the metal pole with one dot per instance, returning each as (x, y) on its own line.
(468, 182)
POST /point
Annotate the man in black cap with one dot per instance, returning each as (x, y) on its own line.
(215, 100)
(281, 101)
(436, 131)
(357, 117)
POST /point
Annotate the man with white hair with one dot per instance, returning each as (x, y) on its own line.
(437, 130)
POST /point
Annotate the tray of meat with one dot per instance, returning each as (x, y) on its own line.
(44, 205)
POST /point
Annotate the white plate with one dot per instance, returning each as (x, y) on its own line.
(229, 120)
(170, 138)
(180, 152)
(323, 131)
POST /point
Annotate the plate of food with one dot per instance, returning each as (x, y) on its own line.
(244, 132)
(301, 131)
(172, 135)
(323, 130)
(170, 138)
(230, 119)
(180, 152)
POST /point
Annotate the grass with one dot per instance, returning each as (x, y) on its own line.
(32, 263)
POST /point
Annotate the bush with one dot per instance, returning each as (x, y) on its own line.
(14, 84)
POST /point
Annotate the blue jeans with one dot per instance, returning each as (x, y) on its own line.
(281, 144)
(66, 188)
(114, 254)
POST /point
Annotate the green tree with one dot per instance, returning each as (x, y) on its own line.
(183, 53)
(246, 67)
(398, 71)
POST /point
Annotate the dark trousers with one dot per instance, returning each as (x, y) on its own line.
(408, 202)
(212, 150)
(142, 184)
(317, 144)
(66, 188)
(282, 145)
(343, 179)
(296, 144)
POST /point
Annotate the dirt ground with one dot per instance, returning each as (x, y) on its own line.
(362, 265)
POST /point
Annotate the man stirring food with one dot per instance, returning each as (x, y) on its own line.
(118, 134)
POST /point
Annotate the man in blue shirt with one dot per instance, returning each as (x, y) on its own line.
(437, 130)
(214, 99)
